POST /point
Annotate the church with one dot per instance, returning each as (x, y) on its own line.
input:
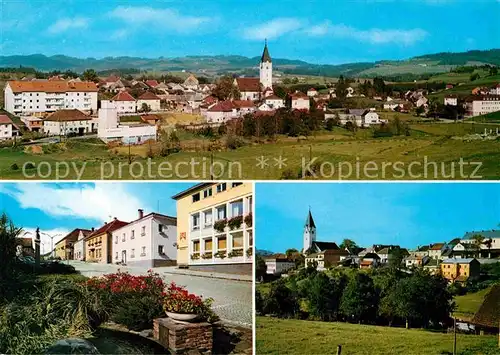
(311, 245)
(255, 89)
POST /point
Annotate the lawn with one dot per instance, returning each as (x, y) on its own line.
(468, 304)
(493, 117)
(278, 336)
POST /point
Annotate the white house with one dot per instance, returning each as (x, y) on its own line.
(220, 112)
(38, 97)
(437, 250)
(451, 100)
(79, 245)
(300, 101)
(358, 117)
(109, 128)
(149, 99)
(69, 121)
(7, 128)
(495, 90)
(278, 264)
(243, 107)
(274, 102)
(191, 82)
(124, 103)
(312, 92)
(482, 104)
(250, 88)
(149, 241)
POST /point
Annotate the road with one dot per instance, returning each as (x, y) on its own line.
(232, 299)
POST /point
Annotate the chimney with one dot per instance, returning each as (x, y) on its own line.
(115, 219)
(141, 213)
(92, 229)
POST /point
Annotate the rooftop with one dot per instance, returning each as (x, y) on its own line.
(52, 86)
(66, 115)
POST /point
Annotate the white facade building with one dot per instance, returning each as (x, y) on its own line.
(79, 245)
(38, 97)
(483, 104)
(274, 102)
(309, 235)
(278, 265)
(300, 101)
(6, 127)
(149, 241)
(451, 100)
(71, 121)
(149, 99)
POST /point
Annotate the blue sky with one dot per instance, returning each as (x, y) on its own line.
(317, 31)
(58, 208)
(385, 213)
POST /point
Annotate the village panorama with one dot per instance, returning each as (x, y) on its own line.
(264, 122)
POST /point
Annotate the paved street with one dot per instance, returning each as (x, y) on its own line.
(232, 299)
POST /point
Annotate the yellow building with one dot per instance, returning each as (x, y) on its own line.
(460, 269)
(98, 245)
(64, 248)
(215, 227)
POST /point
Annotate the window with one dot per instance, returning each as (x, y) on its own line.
(221, 212)
(196, 246)
(221, 187)
(132, 234)
(195, 221)
(250, 238)
(132, 253)
(116, 255)
(234, 184)
(237, 208)
(116, 240)
(208, 245)
(143, 230)
(221, 243)
(207, 193)
(160, 228)
(123, 237)
(196, 197)
(208, 218)
(143, 253)
(160, 250)
(238, 240)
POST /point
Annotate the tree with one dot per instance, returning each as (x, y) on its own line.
(226, 89)
(474, 76)
(169, 142)
(493, 71)
(348, 243)
(260, 267)
(323, 295)
(145, 107)
(359, 300)
(396, 256)
(478, 240)
(90, 75)
(341, 88)
(419, 110)
(281, 301)
(8, 243)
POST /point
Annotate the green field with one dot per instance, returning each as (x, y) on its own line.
(468, 304)
(333, 150)
(278, 336)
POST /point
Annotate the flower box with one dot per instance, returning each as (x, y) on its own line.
(249, 252)
(220, 225)
(195, 256)
(235, 253)
(221, 254)
(249, 220)
(207, 255)
(235, 222)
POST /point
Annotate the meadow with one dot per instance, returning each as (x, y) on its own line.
(310, 337)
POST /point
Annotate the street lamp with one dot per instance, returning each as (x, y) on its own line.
(51, 242)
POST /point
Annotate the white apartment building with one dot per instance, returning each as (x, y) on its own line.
(71, 121)
(149, 241)
(300, 101)
(149, 99)
(38, 97)
(482, 104)
(123, 102)
(274, 102)
(278, 264)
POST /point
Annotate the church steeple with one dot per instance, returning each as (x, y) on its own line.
(309, 232)
(310, 220)
(265, 55)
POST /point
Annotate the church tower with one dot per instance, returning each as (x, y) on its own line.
(309, 232)
(266, 69)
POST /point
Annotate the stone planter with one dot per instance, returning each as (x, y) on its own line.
(183, 317)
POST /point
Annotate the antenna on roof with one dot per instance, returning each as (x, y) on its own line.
(266, 42)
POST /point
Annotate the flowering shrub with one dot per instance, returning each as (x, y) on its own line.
(220, 225)
(249, 220)
(235, 222)
(133, 301)
(235, 253)
(178, 300)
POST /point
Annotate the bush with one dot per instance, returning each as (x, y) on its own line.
(233, 142)
(29, 166)
(179, 300)
(14, 167)
(220, 225)
(235, 222)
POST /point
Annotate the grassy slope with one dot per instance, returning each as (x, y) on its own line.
(275, 336)
(468, 304)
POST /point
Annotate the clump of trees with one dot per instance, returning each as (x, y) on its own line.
(384, 296)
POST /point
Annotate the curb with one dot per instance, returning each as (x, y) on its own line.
(209, 275)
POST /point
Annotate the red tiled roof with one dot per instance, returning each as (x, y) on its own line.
(4, 119)
(68, 115)
(223, 106)
(152, 83)
(112, 79)
(243, 104)
(52, 86)
(146, 118)
(437, 246)
(148, 96)
(73, 235)
(108, 227)
(273, 97)
(312, 89)
(209, 100)
(298, 95)
(123, 96)
(248, 84)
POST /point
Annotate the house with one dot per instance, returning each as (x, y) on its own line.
(7, 128)
(464, 250)
(149, 99)
(79, 244)
(125, 103)
(451, 100)
(264, 107)
(149, 241)
(299, 101)
(25, 247)
(215, 227)
(33, 123)
(369, 261)
(64, 248)
(243, 107)
(110, 129)
(449, 86)
(274, 102)
(460, 270)
(490, 246)
(221, 112)
(312, 92)
(383, 254)
(482, 104)
(495, 90)
(39, 97)
(191, 82)
(151, 119)
(437, 250)
(98, 244)
(151, 83)
(421, 101)
(422, 251)
(359, 117)
(249, 88)
(278, 264)
(433, 266)
(487, 316)
(69, 121)
(416, 260)
(326, 258)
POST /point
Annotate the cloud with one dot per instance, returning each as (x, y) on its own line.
(272, 29)
(66, 24)
(99, 202)
(119, 34)
(165, 18)
(373, 36)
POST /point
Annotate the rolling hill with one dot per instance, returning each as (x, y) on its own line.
(431, 63)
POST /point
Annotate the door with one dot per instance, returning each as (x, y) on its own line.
(124, 256)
